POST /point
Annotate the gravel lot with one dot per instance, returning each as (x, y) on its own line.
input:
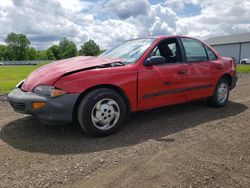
(190, 145)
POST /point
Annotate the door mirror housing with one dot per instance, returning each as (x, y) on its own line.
(155, 60)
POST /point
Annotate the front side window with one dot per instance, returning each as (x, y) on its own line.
(194, 50)
(130, 51)
(168, 49)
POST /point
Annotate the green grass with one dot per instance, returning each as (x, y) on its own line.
(243, 68)
(12, 75)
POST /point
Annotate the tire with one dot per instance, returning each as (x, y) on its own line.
(101, 112)
(244, 62)
(220, 97)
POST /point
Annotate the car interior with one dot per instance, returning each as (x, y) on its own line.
(168, 49)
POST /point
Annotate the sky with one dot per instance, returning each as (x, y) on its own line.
(109, 22)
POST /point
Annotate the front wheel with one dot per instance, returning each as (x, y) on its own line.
(101, 112)
(221, 94)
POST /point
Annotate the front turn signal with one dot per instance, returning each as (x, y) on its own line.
(38, 105)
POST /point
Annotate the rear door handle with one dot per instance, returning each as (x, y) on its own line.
(182, 72)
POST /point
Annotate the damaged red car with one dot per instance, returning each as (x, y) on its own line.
(100, 92)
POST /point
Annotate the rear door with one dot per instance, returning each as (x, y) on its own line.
(160, 85)
(199, 74)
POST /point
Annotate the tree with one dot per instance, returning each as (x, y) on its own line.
(55, 50)
(18, 45)
(102, 51)
(67, 49)
(50, 54)
(42, 55)
(90, 48)
(31, 54)
(3, 53)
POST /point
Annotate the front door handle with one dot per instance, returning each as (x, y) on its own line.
(182, 72)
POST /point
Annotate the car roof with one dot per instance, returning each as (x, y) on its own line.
(163, 37)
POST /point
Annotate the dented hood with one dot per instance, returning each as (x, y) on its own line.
(50, 73)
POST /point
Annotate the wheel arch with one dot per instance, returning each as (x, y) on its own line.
(108, 86)
(228, 77)
(243, 62)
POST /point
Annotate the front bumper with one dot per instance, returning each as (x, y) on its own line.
(58, 110)
(234, 81)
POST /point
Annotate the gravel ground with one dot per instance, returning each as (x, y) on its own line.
(190, 145)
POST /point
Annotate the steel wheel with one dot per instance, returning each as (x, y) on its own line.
(105, 114)
(222, 92)
(101, 112)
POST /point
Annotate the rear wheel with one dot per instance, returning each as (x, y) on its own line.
(221, 94)
(101, 112)
(244, 62)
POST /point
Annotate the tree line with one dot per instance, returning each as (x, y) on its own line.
(18, 47)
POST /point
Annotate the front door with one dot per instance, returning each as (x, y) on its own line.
(164, 84)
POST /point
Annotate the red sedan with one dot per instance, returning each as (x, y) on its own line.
(101, 92)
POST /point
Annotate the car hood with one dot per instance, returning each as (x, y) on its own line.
(50, 73)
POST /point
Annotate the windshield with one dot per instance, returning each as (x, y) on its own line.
(130, 51)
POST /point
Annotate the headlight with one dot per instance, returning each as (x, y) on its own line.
(20, 84)
(48, 91)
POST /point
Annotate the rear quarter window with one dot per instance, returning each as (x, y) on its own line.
(210, 54)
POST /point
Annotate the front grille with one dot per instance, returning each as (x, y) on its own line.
(18, 106)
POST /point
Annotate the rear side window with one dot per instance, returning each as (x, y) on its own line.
(194, 50)
(210, 54)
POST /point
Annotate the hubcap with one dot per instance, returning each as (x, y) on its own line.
(222, 93)
(105, 114)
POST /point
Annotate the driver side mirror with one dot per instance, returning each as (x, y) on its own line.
(155, 60)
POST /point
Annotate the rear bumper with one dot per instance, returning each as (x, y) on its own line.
(234, 81)
(57, 111)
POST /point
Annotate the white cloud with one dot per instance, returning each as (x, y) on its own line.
(6, 3)
(217, 19)
(75, 5)
(109, 32)
(45, 21)
(126, 8)
(111, 21)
